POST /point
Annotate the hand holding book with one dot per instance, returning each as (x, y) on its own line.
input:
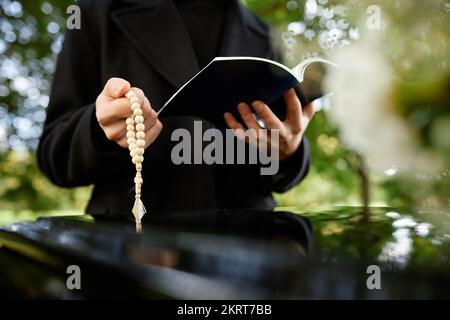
(291, 130)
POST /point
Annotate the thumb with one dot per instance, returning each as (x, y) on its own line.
(116, 88)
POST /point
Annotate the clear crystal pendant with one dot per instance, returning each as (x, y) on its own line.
(138, 212)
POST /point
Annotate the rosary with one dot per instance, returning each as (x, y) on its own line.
(136, 145)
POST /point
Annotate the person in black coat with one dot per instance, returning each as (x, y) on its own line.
(157, 45)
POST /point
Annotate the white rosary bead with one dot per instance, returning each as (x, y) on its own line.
(137, 112)
(139, 119)
(130, 121)
(140, 135)
(131, 134)
(138, 159)
(130, 127)
(140, 127)
(134, 100)
(140, 143)
(135, 106)
(131, 140)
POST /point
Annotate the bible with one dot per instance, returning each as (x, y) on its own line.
(227, 81)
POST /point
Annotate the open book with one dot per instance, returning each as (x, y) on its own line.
(227, 81)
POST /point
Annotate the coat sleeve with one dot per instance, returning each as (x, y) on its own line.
(73, 150)
(291, 171)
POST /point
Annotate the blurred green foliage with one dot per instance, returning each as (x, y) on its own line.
(24, 187)
(31, 35)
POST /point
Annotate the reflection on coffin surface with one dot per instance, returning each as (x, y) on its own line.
(222, 254)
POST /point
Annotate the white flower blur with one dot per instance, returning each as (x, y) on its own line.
(363, 111)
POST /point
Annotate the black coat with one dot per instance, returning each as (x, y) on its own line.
(145, 42)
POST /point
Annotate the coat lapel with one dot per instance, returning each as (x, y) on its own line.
(156, 30)
(243, 34)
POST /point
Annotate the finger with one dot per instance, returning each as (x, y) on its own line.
(248, 116)
(231, 121)
(147, 109)
(115, 131)
(269, 118)
(150, 120)
(249, 136)
(123, 142)
(121, 109)
(308, 111)
(116, 88)
(153, 133)
(117, 109)
(238, 129)
(293, 110)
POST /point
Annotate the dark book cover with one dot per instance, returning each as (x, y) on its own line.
(226, 82)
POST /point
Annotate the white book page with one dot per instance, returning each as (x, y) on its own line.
(299, 70)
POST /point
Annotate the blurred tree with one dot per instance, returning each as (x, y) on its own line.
(31, 36)
(415, 37)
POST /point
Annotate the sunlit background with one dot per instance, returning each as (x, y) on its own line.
(383, 138)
